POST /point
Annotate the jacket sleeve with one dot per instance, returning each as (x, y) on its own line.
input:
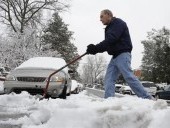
(112, 35)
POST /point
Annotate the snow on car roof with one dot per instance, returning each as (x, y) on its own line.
(43, 62)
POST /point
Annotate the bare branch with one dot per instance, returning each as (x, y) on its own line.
(3, 8)
(28, 18)
(23, 12)
(15, 11)
(9, 16)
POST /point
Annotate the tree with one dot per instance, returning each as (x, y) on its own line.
(156, 59)
(23, 17)
(93, 69)
(21, 13)
(14, 50)
(59, 38)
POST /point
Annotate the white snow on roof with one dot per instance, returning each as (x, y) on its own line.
(43, 62)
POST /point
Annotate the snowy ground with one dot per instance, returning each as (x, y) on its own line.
(82, 111)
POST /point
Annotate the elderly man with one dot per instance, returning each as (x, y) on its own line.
(117, 43)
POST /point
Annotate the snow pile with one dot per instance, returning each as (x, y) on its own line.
(83, 111)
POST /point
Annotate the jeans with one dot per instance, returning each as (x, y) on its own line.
(122, 65)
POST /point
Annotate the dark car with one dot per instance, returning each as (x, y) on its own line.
(163, 94)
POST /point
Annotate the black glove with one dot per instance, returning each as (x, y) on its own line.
(91, 49)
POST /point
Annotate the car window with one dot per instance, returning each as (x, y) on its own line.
(167, 88)
(148, 85)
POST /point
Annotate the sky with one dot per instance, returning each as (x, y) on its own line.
(140, 15)
(82, 111)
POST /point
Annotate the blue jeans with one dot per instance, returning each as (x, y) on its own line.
(122, 65)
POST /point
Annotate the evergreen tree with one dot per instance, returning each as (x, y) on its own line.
(156, 59)
(59, 38)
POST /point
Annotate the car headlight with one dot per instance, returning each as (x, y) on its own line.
(10, 78)
(57, 79)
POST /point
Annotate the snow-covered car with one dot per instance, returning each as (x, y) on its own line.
(32, 76)
(98, 86)
(161, 86)
(81, 86)
(125, 89)
(75, 87)
(150, 87)
(117, 87)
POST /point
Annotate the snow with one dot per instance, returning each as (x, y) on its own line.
(1, 87)
(43, 62)
(84, 111)
(74, 85)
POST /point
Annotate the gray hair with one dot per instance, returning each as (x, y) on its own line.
(108, 12)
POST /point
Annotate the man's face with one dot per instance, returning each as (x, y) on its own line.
(105, 18)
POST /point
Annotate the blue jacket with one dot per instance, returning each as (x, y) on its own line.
(117, 38)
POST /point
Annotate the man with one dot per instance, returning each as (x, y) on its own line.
(117, 43)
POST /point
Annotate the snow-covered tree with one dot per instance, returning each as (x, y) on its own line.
(93, 70)
(19, 47)
(156, 59)
(23, 17)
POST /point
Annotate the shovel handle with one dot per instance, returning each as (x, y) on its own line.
(49, 77)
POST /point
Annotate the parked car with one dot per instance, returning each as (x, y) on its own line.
(161, 86)
(98, 86)
(117, 87)
(81, 86)
(150, 87)
(125, 89)
(32, 76)
(163, 94)
(75, 87)
(89, 85)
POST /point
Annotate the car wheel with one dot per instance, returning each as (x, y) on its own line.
(68, 94)
(64, 93)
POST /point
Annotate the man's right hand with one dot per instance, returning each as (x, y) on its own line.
(91, 49)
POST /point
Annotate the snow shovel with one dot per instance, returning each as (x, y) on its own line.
(49, 77)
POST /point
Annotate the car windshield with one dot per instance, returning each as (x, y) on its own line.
(148, 85)
(167, 88)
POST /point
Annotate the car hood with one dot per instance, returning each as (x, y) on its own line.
(160, 91)
(32, 72)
